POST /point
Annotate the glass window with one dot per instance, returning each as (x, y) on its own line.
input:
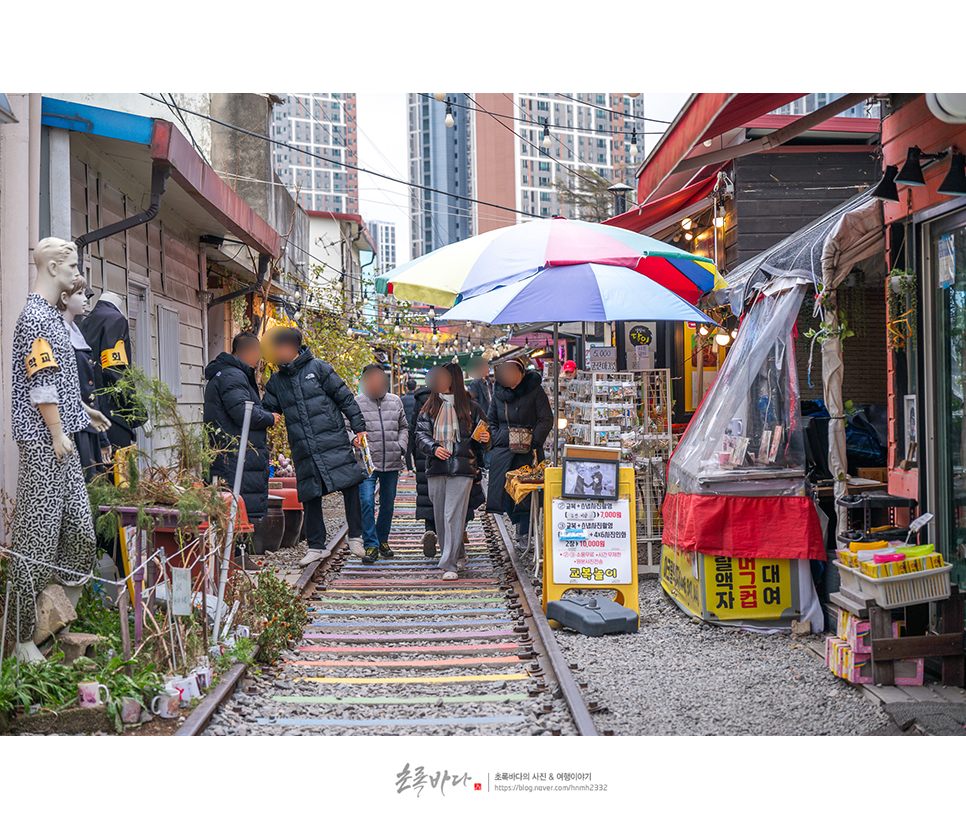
(949, 267)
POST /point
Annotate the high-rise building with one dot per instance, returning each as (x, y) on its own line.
(501, 137)
(439, 158)
(384, 234)
(323, 127)
(815, 101)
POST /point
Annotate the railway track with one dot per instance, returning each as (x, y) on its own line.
(391, 649)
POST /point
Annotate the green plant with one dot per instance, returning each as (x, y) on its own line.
(242, 652)
(903, 307)
(283, 610)
(124, 680)
(48, 683)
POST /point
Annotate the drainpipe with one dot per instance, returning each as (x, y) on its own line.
(160, 171)
(263, 262)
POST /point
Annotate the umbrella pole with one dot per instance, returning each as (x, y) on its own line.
(556, 391)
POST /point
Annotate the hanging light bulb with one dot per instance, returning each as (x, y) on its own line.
(435, 337)
(634, 142)
(439, 96)
(734, 334)
(396, 329)
(633, 95)
(687, 223)
(719, 215)
(688, 236)
(547, 141)
(722, 339)
(449, 121)
(703, 330)
(431, 313)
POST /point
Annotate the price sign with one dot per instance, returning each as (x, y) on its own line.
(591, 542)
(601, 359)
(180, 591)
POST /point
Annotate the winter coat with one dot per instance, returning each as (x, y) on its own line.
(526, 405)
(313, 398)
(409, 403)
(387, 431)
(424, 507)
(231, 383)
(467, 456)
(481, 389)
(107, 332)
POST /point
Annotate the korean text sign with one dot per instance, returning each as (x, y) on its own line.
(591, 542)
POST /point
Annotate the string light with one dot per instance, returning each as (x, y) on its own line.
(634, 148)
(439, 96)
(449, 121)
(547, 141)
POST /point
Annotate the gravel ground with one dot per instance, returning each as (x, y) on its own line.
(333, 510)
(678, 677)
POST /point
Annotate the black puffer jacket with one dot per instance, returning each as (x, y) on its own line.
(230, 383)
(467, 456)
(424, 507)
(313, 398)
(526, 405)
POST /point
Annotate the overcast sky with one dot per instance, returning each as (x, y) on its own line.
(383, 148)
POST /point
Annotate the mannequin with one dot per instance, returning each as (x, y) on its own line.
(89, 442)
(52, 519)
(107, 331)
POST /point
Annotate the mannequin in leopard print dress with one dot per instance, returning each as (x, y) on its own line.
(52, 523)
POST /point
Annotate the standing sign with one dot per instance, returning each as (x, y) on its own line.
(591, 542)
(180, 591)
(601, 359)
(640, 344)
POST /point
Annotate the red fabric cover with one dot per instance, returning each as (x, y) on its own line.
(771, 527)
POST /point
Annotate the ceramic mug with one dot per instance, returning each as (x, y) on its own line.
(89, 693)
(188, 686)
(242, 631)
(130, 710)
(166, 704)
(204, 675)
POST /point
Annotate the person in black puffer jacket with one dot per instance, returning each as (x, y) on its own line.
(231, 382)
(444, 429)
(316, 403)
(518, 400)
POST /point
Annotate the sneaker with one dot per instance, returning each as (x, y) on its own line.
(370, 556)
(466, 537)
(357, 547)
(314, 556)
(429, 544)
(386, 551)
(450, 576)
(461, 564)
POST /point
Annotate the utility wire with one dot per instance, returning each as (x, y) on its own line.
(279, 142)
(616, 112)
(174, 108)
(529, 120)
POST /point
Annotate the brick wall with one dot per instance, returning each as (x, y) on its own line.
(864, 355)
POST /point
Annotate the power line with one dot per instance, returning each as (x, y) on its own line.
(616, 112)
(279, 142)
(529, 120)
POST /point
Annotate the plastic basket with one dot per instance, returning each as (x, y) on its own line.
(896, 591)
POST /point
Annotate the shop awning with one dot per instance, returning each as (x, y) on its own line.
(704, 116)
(651, 214)
(138, 141)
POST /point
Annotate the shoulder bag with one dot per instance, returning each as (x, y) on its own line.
(521, 438)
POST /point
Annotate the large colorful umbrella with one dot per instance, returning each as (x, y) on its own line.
(481, 263)
(579, 292)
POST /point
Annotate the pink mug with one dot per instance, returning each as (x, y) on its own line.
(89, 693)
(166, 704)
(130, 710)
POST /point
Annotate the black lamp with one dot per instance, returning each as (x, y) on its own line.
(911, 173)
(955, 182)
(886, 190)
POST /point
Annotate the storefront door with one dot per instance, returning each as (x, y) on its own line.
(947, 278)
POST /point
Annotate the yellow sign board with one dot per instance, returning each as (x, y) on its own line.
(679, 577)
(726, 589)
(603, 550)
(738, 589)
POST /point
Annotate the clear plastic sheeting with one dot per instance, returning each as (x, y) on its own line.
(746, 437)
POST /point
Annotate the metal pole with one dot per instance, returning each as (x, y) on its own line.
(230, 533)
(3, 637)
(556, 391)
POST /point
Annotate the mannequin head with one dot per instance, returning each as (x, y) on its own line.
(73, 302)
(56, 262)
(114, 299)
